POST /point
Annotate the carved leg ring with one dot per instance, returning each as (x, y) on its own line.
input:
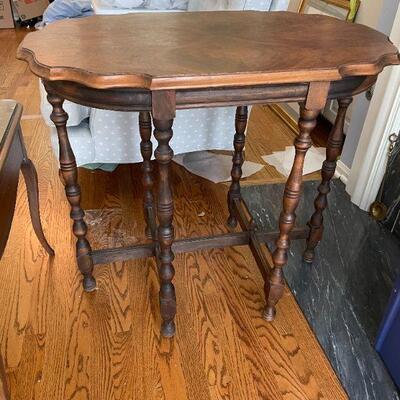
(146, 148)
(274, 288)
(334, 146)
(73, 192)
(165, 210)
(237, 162)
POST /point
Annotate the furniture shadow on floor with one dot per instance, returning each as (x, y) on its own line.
(344, 294)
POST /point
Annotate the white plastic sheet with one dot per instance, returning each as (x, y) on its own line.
(283, 160)
(214, 167)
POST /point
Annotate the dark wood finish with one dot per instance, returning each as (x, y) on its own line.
(291, 198)
(200, 50)
(317, 95)
(107, 256)
(247, 224)
(221, 336)
(13, 158)
(334, 146)
(237, 162)
(146, 148)
(140, 100)
(202, 60)
(31, 181)
(163, 116)
(72, 190)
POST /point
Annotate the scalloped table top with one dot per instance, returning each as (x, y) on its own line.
(205, 49)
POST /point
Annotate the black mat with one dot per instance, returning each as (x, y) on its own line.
(344, 294)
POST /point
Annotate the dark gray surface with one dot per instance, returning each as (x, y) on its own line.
(344, 293)
(391, 191)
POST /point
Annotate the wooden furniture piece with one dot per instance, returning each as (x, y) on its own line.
(13, 158)
(205, 59)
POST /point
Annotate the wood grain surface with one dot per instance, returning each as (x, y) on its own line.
(205, 49)
(59, 343)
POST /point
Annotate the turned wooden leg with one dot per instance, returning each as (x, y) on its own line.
(237, 161)
(146, 149)
(165, 210)
(335, 142)
(60, 175)
(291, 197)
(72, 190)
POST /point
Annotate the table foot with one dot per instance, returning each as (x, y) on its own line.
(89, 284)
(308, 256)
(274, 288)
(269, 314)
(237, 162)
(85, 265)
(168, 329)
(335, 143)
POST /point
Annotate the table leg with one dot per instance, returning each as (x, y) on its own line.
(165, 210)
(335, 142)
(70, 175)
(146, 149)
(291, 197)
(237, 162)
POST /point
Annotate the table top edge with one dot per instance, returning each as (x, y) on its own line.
(143, 81)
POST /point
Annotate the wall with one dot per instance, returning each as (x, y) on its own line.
(378, 14)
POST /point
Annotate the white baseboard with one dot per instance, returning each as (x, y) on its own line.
(342, 172)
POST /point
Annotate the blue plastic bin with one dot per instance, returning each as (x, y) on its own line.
(388, 341)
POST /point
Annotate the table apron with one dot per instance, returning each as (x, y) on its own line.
(122, 99)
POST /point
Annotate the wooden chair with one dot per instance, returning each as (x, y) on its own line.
(13, 159)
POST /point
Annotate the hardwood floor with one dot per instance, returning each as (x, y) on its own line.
(60, 343)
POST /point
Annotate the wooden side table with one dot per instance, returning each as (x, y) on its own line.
(161, 63)
(13, 159)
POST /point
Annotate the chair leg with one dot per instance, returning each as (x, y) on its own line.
(146, 148)
(335, 142)
(72, 190)
(31, 182)
(291, 197)
(237, 162)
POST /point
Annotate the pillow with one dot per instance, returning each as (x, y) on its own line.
(166, 4)
(61, 9)
(261, 5)
(124, 3)
(148, 4)
(211, 5)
